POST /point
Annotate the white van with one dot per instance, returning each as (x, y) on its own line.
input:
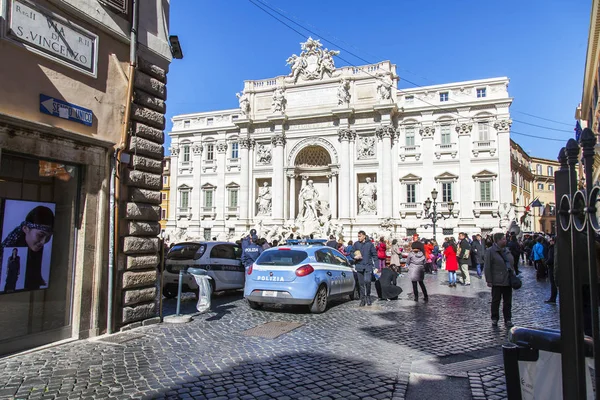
(222, 261)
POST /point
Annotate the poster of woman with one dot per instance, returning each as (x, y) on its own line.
(26, 247)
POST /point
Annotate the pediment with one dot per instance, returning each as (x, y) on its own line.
(208, 186)
(184, 187)
(232, 185)
(410, 177)
(446, 176)
(485, 174)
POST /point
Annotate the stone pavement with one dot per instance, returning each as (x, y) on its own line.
(392, 350)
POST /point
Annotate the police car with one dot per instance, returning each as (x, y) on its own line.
(300, 273)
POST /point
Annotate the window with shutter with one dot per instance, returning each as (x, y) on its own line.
(116, 5)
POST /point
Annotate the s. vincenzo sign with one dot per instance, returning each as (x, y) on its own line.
(53, 35)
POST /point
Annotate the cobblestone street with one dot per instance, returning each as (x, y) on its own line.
(392, 350)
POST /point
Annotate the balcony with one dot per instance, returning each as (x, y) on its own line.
(410, 151)
(208, 212)
(411, 208)
(232, 212)
(482, 146)
(485, 207)
(445, 148)
(184, 212)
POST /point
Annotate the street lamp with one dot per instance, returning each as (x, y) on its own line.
(435, 216)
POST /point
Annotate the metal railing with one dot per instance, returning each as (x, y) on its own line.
(577, 228)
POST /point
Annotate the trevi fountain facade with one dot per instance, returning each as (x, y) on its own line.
(326, 150)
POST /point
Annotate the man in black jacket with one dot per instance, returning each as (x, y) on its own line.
(332, 242)
(478, 251)
(515, 250)
(364, 266)
(464, 258)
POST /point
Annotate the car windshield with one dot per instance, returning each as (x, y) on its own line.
(185, 251)
(282, 257)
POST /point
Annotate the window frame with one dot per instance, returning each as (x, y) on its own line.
(185, 153)
(408, 193)
(444, 97)
(540, 186)
(409, 132)
(450, 187)
(481, 130)
(487, 197)
(210, 152)
(235, 147)
(445, 131)
(481, 93)
(184, 194)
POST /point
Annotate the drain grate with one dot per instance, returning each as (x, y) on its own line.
(272, 330)
(121, 338)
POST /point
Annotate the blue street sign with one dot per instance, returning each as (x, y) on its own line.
(62, 109)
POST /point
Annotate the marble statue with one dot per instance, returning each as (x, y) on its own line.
(308, 198)
(366, 148)
(263, 154)
(278, 103)
(343, 93)
(297, 64)
(313, 62)
(244, 102)
(264, 200)
(384, 88)
(367, 198)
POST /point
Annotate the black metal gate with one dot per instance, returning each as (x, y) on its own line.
(577, 277)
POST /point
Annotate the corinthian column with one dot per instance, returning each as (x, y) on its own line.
(220, 203)
(278, 141)
(344, 136)
(386, 134)
(503, 143)
(244, 170)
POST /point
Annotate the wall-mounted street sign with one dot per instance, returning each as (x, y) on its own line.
(53, 36)
(62, 109)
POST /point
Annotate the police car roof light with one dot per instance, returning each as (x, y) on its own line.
(283, 248)
(305, 242)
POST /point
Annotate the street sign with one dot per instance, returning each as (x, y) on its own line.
(62, 109)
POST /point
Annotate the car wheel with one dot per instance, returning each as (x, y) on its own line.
(319, 304)
(169, 291)
(355, 295)
(254, 305)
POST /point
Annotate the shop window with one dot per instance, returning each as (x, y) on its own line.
(39, 203)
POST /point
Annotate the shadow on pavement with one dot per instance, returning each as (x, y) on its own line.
(299, 375)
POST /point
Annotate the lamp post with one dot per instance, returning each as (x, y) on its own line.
(434, 215)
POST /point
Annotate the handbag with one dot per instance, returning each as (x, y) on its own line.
(514, 281)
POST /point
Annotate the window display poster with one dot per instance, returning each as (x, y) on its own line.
(26, 247)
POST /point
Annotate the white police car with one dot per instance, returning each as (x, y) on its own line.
(308, 274)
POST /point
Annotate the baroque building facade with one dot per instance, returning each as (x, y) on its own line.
(328, 150)
(522, 186)
(544, 217)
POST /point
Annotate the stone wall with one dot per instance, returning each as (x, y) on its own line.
(142, 180)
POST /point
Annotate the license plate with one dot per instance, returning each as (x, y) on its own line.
(269, 293)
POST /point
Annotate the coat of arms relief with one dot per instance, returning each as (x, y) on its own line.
(313, 62)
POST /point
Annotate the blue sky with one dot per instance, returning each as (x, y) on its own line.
(540, 45)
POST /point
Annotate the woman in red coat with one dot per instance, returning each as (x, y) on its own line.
(381, 249)
(451, 263)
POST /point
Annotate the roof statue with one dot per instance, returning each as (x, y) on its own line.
(313, 62)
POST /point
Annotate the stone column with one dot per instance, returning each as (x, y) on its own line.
(292, 195)
(196, 195)
(466, 191)
(504, 172)
(353, 189)
(427, 149)
(250, 197)
(244, 179)
(173, 193)
(333, 194)
(344, 136)
(278, 141)
(385, 134)
(219, 201)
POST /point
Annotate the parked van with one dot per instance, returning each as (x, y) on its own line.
(222, 261)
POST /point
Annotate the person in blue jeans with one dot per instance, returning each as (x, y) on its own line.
(477, 252)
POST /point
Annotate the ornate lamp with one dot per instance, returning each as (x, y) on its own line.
(434, 194)
(427, 204)
(450, 206)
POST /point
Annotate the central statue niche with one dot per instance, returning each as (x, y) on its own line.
(312, 165)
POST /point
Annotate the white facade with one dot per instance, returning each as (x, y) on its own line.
(249, 167)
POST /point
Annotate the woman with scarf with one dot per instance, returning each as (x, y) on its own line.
(33, 233)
